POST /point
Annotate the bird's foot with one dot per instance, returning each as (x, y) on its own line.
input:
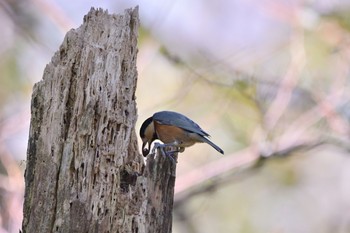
(162, 148)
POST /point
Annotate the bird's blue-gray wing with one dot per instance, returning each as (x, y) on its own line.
(179, 120)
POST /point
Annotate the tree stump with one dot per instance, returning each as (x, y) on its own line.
(84, 170)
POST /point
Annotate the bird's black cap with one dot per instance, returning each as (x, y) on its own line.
(144, 125)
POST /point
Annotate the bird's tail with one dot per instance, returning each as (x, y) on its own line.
(213, 145)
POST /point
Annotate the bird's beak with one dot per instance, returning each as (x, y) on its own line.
(145, 151)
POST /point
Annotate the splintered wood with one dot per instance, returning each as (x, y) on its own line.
(84, 171)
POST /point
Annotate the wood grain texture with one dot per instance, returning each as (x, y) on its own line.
(84, 171)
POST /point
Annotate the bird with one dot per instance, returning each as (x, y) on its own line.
(174, 130)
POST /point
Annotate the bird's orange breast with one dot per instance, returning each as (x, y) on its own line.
(170, 134)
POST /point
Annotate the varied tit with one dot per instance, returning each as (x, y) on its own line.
(173, 129)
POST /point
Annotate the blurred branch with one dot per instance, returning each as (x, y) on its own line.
(299, 135)
(289, 82)
(11, 192)
(12, 125)
(55, 13)
(235, 166)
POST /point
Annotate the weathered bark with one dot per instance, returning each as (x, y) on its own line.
(84, 172)
(160, 173)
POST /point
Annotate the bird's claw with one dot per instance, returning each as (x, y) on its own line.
(156, 146)
(162, 147)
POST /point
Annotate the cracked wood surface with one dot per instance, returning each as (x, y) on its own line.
(84, 170)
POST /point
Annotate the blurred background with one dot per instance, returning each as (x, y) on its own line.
(268, 79)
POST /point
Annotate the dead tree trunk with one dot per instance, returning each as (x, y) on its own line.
(84, 172)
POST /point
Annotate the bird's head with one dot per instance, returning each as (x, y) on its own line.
(148, 135)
